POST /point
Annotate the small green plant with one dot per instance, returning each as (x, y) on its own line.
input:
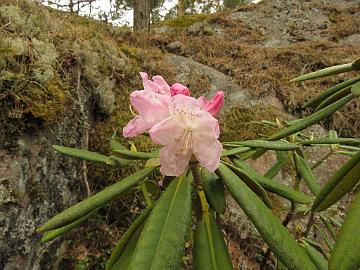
(157, 238)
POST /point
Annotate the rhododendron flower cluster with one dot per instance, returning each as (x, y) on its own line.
(185, 126)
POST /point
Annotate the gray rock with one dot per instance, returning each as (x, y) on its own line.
(175, 47)
(186, 68)
(35, 184)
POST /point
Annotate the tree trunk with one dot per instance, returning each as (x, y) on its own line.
(180, 8)
(141, 14)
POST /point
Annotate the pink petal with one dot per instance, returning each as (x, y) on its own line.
(208, 152)
(178, 88)
(173, 163)
(153, 107)
(136, 126)
(181, 105)
(215, 104)
(207, 125)
(202, 100)
(167, 131)
(162, 85)
(148, 84)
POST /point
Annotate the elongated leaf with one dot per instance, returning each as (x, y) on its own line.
(346, 141)
(270, 145)
(214, 190)
(253, 154)
(324, 72)
(123, 261)
(328, 92)
(276, 168)
(251, 183)
(121, 245)
(162, 240)
(127, 154)
(307, 174)
(53, 234)
(98, 200)
(330, 244)
(235, 151)
(114, 145)
(347, 147)
(311, 119)
(334, 97)
(355, 89)
(356, 65)
(316, 257)
(210, 251)
(345, 255)
(272, 186)
(328, 225)
(270, 228)
(87, 155)
(339, 184)
(318, 247)
(346, 153)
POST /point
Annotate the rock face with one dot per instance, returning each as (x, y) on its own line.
(186, 69)
(35, 184)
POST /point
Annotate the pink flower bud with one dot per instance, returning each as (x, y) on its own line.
(178, 88)
(215, 104)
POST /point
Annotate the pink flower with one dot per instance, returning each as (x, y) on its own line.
(214, 105)
(189, 130)
(157, 85)
(151, 104)
(178, 88)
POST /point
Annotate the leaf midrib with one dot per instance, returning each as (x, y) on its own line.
(167, 218)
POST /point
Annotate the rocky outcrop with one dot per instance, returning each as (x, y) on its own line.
(35, 184)
(187, 69)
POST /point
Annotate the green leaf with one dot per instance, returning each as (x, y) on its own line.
(311, 119)
(276, 168)
(98, 200)
(53, 234)
(270, 228)
(339, 184)
(153, 188)
(355, 89)
(127, 154)
(346, 141)
(88, 155)
(328, 225)
(334, 97)
(272, 186)
(153, 162)
(114, 145)
(325, 237)
(324, 72)
(269, 145)
(210, 251)
(316, 257)
(328, 92)
(121, 245)
(346, 153)
(162, 240)
(128, 251)
(251, 183)
(235, 151)
(356, 65)
(214, 190)
(345, 255)
(307, 174)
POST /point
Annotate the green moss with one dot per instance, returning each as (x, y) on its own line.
(187, 20)
(238, 124)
